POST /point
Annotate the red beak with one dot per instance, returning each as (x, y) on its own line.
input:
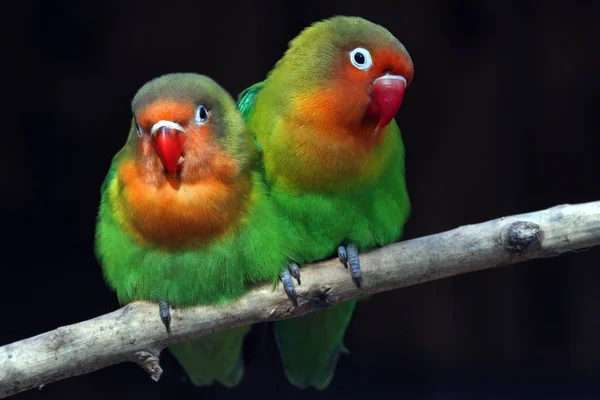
(168, 143)
(388, 92)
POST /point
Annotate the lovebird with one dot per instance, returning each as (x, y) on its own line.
(185, 217)
(334, 161)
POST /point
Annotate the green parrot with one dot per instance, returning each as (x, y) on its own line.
(185, 216)
(334, 161)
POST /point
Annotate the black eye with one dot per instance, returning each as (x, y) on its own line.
(139, 131)
(201, 115)
(359, 58)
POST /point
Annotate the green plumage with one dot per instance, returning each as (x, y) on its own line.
(215, 271)
(370, 215)
(311, 345)
(369, 212)
(213, 357)
(210, 273)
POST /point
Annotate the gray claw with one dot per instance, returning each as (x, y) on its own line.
(165, 314)
(288, 285)
(295, 271)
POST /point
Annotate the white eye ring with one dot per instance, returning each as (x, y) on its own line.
(361, 58)
(201, 115)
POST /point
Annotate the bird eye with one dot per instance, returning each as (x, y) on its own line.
(139, 131)
(201, 115)
(361, 58)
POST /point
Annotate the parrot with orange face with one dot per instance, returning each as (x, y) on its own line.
(334, 162)
(185, 216)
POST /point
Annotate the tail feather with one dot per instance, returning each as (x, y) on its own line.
(310, 346)
(215, 357)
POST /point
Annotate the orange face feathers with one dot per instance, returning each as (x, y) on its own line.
(201, 151)
(179, 111)
(363, 69)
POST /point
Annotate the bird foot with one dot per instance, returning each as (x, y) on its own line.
(348, 256)
(289, 272)
(165, 314)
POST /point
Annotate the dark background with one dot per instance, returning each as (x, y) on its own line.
(501, 119)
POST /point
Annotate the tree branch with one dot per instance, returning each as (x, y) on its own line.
(135, 332)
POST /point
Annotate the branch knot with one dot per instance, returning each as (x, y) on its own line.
(149, 363)
(521, 236)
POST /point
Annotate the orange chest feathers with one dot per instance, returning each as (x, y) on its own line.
(173, 214)
(318, 150)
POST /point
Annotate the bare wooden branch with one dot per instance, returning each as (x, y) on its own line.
(135, 332)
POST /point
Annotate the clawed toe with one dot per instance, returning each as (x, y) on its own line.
(286, 276)
(165, 314)
(348, 256)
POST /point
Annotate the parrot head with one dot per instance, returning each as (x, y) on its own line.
(186, 127)
(355, 69)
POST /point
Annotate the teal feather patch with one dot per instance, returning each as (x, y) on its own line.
(247, 98)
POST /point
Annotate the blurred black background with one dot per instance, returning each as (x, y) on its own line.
(501, 119)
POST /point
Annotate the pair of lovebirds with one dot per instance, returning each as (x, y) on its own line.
(207, 198)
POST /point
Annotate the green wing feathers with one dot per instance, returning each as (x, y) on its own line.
(215, 357)
(310, 346)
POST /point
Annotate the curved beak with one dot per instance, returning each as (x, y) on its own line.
(388, 93)
(168, 140)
